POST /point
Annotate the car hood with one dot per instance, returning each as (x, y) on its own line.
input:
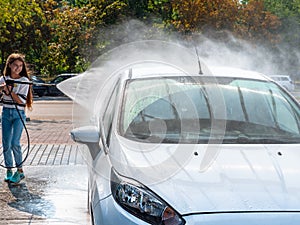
(214, 178)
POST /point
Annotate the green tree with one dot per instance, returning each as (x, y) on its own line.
(258, 24)
(247, 19)
(289, 13)
(21, 28)
(75, 32)
(66, 36)
(109, 11)
(198, 15)
(71, 30)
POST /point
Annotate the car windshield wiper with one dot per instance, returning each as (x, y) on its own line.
(225, 139)
(150, 138)
(242, 139)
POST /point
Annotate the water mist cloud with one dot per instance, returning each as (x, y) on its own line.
(251, 56)
(89, 90)
(216, 48)
(90, 94)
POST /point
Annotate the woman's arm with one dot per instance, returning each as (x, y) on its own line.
(14, 96)
(2, 87)
(8, 91)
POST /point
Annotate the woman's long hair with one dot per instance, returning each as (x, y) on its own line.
(24, 73)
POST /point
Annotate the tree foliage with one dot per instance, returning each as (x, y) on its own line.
(74, 42)
(67, 35)
(289, 13)
(256, 23)
(248, 20)
(21, 27)
(71, 31)
(198, 15)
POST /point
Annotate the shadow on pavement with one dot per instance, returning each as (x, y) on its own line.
(29, 202)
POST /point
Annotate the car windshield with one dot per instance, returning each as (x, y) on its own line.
(37, 79)
(204, 109)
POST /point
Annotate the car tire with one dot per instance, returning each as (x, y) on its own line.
(40, 94)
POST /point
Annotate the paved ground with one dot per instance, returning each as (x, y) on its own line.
(50, 144)
(55, 187)
(51, 109)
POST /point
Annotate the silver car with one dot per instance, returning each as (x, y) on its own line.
(285, 81)
(170, 148)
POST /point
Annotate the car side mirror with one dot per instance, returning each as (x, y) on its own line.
(90, 136)
(86, 134)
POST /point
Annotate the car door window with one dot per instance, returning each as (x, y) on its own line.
(58, 80)
(109, 113)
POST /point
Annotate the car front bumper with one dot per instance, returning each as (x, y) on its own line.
(245, 218)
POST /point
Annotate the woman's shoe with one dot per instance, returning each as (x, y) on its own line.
(9, 175)
(17, 177)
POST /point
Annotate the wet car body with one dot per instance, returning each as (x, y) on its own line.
(170, 148)
(285, 81)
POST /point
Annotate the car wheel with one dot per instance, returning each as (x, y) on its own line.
(40, 94)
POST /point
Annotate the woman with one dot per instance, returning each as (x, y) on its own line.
(17, 95)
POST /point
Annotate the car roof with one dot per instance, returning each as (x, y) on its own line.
(36, 78)
(158, 71)
(238, 73)
(67, 74)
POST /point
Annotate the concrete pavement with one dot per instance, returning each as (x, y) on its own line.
(50, 144)
(55, 195)
(55, 188)
(51, 110)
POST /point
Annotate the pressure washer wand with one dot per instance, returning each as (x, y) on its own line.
(11, 82)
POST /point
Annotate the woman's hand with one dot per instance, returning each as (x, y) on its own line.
(2, 87)
(7, 89)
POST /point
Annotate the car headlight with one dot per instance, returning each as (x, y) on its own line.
(141, 202)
